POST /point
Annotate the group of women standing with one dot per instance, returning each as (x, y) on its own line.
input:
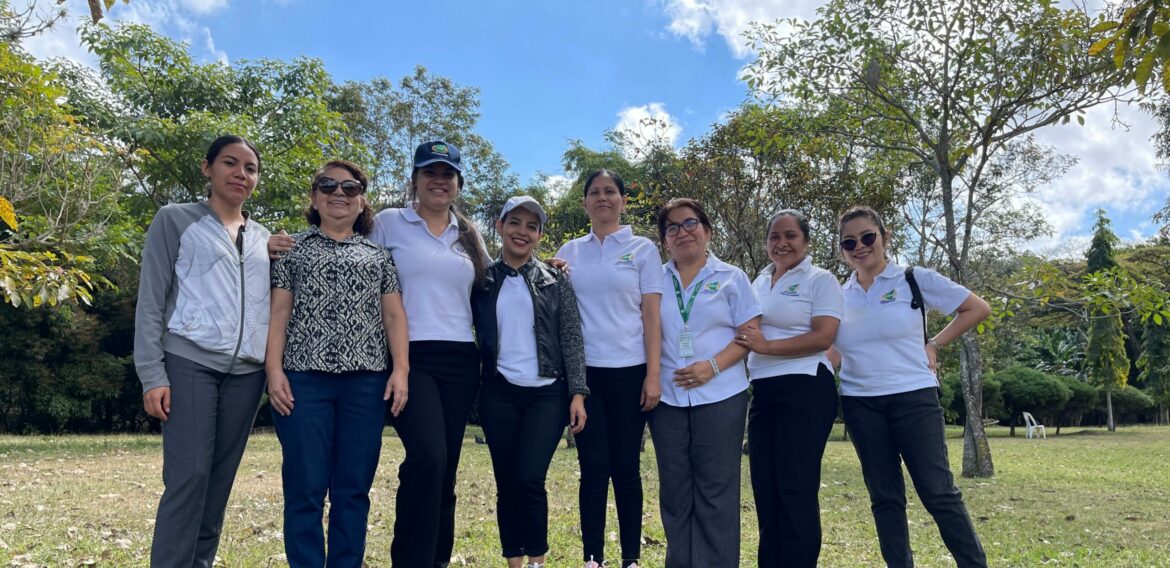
(403, 314)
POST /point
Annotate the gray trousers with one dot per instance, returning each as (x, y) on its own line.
(203, 441)
(699, 452)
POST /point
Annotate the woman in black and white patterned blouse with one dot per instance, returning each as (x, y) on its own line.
(336, 305)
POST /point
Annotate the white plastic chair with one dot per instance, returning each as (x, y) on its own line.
(1031, 426)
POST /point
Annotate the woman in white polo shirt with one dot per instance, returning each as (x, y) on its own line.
(794, 396)
(618, 280)
(889, 388)
(698, 426)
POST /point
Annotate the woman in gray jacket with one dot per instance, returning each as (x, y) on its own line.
(200, 331)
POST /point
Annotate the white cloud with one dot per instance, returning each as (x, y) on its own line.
(1117, 172)
(557, 186)
(206, 6)
(209, 41)
(647, 125)
(697, 19)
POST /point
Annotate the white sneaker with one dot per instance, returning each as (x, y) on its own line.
(592, 564)
(535, 565)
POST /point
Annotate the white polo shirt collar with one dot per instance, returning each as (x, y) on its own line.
(410, 213)
(892, 270)
(623, 234)
(801, 266)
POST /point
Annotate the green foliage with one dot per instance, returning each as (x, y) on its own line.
(1154, 360)
(1082, 399)
(1106, 361)
(1129, 402)
(1136, 41)
(64, 371)
(160, 110)
(1029, 390)
(955, 406)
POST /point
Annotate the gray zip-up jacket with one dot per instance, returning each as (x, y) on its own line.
(201, 296)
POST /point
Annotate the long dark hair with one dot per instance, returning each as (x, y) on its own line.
(468, 235)
(365, 220)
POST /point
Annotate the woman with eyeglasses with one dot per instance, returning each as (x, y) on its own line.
(338, 329)
(698, 425)
(618, 279)
(889, 389)
(794, 394)
(200, 329)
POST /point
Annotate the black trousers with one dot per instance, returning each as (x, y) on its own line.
(523, 426)
(909, 426)
(610, 448)
(444, 379)
(789, 422)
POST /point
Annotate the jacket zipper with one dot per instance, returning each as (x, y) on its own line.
(240, 337)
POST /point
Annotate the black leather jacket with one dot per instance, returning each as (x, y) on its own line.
(560, 348)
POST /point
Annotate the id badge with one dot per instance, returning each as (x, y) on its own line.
(686, 344)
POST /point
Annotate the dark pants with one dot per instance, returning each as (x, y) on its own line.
(609, 448)
(330, 443)
(789, 421)
(444, 379)
(909, 426)
(203, 442)
(523, 426)
(699, 451)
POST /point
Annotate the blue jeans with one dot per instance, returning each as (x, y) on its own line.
(331, 443)
(908, 426)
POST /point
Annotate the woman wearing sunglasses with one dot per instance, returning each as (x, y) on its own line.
(698, 425)
(618, 279)
(889, 388)
(529, 335)
(199, 334)
(336, 307)
(794, 395)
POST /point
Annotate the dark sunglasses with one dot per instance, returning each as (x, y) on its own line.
(867, 239)
(690, 225)
(328, 185)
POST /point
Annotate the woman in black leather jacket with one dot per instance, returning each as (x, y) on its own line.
(529, 336)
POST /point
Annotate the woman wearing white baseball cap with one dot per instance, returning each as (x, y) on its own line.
(529, 335)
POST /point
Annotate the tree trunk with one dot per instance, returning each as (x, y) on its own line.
(1012, 427)
(976, 451)
(1109, 409)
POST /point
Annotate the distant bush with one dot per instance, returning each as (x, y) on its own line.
(1028, 390)
(1130, 402)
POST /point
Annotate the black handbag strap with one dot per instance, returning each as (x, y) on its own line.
(916, 302)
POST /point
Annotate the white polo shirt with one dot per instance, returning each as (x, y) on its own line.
(435, 272)
(515, 323)
(802, 293)
(609, 278)
(881, 339)
(724, 302)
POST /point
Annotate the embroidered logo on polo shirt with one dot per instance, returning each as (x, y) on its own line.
(711, 287)
(793, 290)
(890, 297)
(625, 260)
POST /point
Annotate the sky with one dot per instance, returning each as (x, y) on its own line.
(559, 70)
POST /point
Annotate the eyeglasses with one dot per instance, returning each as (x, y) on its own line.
(867, 239)
(689, 224)
(328, 185)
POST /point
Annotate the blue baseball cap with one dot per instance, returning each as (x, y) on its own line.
(429, 153)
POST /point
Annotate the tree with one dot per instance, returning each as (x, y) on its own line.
(1154, 363)
(391, 120)
(1082, 398)
(159, 110)
(949, 83)
(1106, 361)
(56, 196)
(1029, 390)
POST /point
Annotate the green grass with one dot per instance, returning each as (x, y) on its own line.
(1085, 498)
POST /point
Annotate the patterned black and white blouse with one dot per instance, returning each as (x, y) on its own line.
(337, 287)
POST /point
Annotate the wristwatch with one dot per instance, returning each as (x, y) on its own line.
(936, 344)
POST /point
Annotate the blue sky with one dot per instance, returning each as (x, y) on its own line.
(554, 71)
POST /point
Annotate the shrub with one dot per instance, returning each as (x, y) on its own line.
(1026, 389)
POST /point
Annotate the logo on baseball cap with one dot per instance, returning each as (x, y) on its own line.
(429, 153)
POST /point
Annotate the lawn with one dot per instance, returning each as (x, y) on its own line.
(1085, 498)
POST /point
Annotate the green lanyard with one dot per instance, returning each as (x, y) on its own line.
(685, 311)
